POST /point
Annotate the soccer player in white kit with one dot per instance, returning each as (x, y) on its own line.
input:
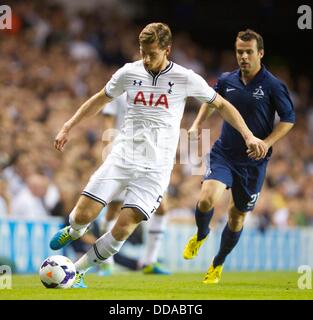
(142, 155)
(114, 115)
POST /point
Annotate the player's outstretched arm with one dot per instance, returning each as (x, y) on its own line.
(230, 114)
(89, 108)
(204, 113)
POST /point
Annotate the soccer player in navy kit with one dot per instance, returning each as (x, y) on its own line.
(257, 95)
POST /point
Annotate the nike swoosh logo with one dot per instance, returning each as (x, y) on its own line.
(230, 89)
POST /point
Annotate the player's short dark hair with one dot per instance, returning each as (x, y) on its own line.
(248, 35)
(156, 31)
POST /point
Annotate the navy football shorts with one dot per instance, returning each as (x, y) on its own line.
(244, 180)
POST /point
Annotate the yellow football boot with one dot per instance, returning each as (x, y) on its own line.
(192, 247)
(213, 275)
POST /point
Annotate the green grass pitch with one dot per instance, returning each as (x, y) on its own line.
(180, 286)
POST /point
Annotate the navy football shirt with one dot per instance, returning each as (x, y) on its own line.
(257, 103)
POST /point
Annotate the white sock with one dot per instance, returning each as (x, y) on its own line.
(156, 230)
(76, 230)
(105, 226)
(105, 247)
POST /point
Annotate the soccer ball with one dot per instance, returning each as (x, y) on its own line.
(57, 272)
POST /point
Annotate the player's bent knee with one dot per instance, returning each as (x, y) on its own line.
(206, 201)
(205, 204)
(86, 210)
(210, 194)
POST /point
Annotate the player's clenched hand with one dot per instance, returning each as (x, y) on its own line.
(257, 148)
(61, 139)
(252, 154)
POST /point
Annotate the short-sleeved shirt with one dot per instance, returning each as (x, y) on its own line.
(155, 106)
(257, 102)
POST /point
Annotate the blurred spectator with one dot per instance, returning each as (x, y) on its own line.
(37, 199)
(16, 174)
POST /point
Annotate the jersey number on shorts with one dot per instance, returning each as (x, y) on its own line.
(253, 200)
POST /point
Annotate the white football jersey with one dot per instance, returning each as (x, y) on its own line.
(155, 106)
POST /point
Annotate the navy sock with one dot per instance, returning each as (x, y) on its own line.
(229, 240)
(203, 220)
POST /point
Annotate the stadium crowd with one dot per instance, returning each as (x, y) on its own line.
(52, 61)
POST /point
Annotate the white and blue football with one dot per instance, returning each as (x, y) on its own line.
(57, 272)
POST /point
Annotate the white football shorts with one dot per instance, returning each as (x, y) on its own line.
(143, 189)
